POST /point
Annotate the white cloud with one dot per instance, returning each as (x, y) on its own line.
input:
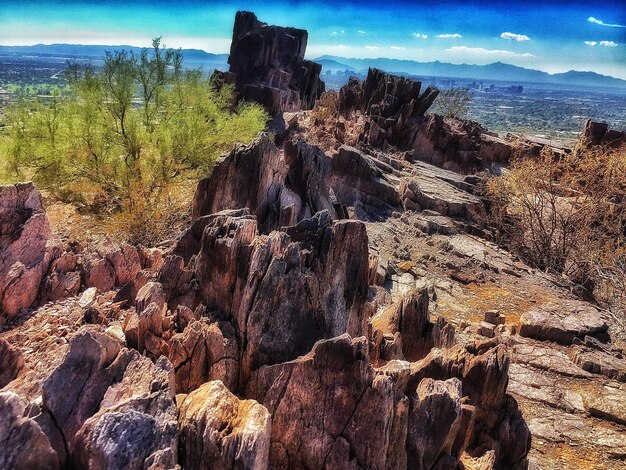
(486, 52)
(360, 31)
(448, 36)
(602, 43)
(515, 37)
(420, 36)
(337, 33)
(372, 47)
(397, 48)
(591, 19)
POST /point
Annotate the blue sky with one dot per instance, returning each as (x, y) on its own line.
(550, 36)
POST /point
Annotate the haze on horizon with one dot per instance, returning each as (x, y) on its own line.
(553, 36)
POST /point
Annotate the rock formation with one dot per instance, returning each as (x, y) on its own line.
(24, 256)
(334, 304)
(267, 66)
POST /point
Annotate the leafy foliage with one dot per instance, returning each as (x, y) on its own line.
(121, 138)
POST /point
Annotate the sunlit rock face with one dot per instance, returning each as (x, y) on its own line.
(267, 66)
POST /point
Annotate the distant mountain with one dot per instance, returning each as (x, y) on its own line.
(193, 57)
(495, 71)
(334, 66)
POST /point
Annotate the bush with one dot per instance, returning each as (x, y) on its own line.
(124, 138)
(567, 215)
(453, 103)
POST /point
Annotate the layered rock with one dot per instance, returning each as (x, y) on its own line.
(563, 322)
(267, 66)
(284, 186)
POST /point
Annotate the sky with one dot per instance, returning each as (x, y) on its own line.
(552, 36)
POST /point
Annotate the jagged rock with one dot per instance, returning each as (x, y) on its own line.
(435, 418)
(358, 180)
(284, 187)
(219, 431)
(598, 133)
(286, 290)
(11, 362)
(563, 322)
(139, 325)
(483, 370)
(137, 418)
(113, 389)
(205, 352)
(600, 362)
(384, 96)
(24, 259)
(98, 273)
(151, 292)
(327, 407)
(331, 407)
(23, 444)
(267, 66)
(410, 319)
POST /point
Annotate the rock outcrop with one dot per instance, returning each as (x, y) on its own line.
(219, 431)
(598, 133)
(24, 257)
(267, 66)
(320, 269)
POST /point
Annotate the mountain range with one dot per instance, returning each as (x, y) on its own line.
(495, 71)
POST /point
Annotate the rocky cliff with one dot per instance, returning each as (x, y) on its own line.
(335, 304)
(267, 65)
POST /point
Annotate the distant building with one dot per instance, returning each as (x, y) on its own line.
(517, 89)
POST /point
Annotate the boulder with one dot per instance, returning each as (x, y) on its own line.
(219, 431)
(113, 390)
(136, 420)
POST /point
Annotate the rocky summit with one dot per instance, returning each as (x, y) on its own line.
(336, 303)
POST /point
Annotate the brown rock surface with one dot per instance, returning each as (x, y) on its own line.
(563, 322)
(219, 431)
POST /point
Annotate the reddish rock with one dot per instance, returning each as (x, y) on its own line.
(24, 258)
(205, 352)
(11, 362)
(286, 290)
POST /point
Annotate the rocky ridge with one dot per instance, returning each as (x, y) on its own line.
(335, 304)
